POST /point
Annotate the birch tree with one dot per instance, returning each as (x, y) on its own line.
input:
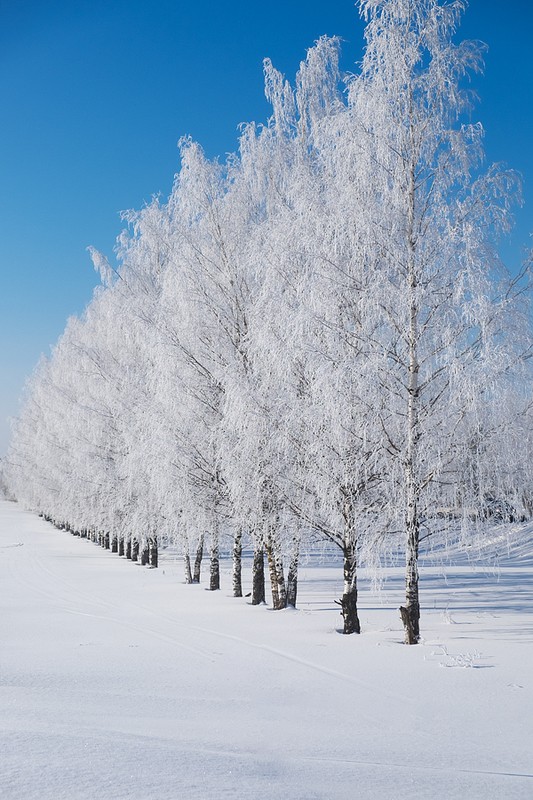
(430, 226)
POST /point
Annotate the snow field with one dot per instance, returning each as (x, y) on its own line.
(122, 682)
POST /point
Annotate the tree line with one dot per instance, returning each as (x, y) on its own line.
(314, 340)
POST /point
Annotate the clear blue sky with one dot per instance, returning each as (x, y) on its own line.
(96, 93)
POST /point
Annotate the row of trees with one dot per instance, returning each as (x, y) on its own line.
(315, 338)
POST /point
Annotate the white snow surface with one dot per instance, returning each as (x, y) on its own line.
(118, 681)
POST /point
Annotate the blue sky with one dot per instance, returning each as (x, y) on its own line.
(96, 93)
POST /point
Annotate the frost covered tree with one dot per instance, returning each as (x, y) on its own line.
(310, 365)
(443, 343)
(200, 315)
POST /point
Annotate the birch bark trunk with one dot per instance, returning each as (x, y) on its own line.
(153, 552)
(410, 613)
(348, 601)
(145, 553)
(214, 562)
(187, 559)
(135, 550)
(237, 563)
(258, 575)
(198, 560)
(276, 573)
(292, 575)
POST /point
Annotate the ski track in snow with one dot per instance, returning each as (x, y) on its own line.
(418, 768)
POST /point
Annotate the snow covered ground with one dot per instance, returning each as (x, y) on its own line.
(121, 682)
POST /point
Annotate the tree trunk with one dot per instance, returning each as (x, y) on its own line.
(272, 575)
(153, 552)
(410, 614)
(198, 560)
(277, 577)
(134, 550)
(258, 575)
(114, 544)
(145, 553)
(214, 563)
(106, 542)
(121, 545)
(128, 548)
(292, 575)
(237, 563)
(348, 601)
(187, 565)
